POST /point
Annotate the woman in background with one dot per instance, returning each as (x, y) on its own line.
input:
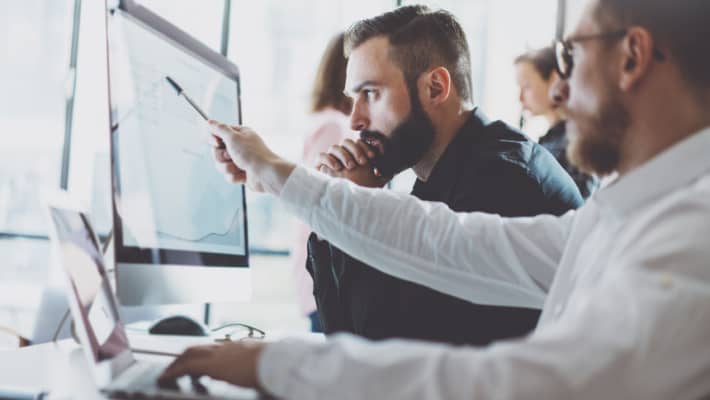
(330, 124)
(536, 74)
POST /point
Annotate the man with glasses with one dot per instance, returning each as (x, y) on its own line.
(627, 276)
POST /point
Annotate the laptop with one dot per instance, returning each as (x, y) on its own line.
(101, 332)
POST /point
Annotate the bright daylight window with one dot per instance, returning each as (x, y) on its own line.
(497, 32)
(34, 72)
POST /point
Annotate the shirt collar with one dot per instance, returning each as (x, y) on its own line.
(669, 171)
(445, 173)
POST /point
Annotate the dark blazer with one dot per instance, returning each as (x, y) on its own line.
(488, 167)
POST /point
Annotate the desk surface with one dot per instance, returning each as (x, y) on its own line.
(60, 368)
(56, 367)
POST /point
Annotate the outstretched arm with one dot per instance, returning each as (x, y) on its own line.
(639, 332)
(477, 257)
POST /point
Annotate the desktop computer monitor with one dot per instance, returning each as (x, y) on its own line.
(180, 230)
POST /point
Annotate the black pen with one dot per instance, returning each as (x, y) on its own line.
(181, 92)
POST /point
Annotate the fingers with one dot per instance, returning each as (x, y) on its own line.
(327, 171)
(216, 142)
(360, 150)
(193, 367)
(221, 133)
(224, 165)
(222, 156)
(194, 361)
(329, 161)
(220, 130)
(343, 155)
(232, 173)
(349, 155)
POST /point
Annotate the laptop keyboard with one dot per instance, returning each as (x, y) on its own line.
(140, 381)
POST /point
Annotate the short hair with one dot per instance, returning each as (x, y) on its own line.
(681, 26)
(543, 60)
(420, 38)
(330, 79)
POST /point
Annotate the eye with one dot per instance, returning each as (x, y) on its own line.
(370, 94)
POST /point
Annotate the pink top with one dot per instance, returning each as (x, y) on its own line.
(328, 127)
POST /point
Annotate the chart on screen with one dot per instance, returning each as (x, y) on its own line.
(172, 195)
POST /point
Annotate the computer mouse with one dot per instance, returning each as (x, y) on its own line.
(178, 325)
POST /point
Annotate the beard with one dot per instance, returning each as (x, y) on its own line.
(595, 141)
(406, 145)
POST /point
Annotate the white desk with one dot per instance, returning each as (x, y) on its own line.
(61, 369)
(58, 368)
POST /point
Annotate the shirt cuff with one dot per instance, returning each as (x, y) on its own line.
(302, 190)
(279, 364)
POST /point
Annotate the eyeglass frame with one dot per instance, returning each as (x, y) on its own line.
(251, 335)
(563, 49)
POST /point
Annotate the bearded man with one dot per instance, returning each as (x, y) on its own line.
(626, 276)
(409, 76)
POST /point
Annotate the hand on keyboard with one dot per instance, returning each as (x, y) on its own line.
(233, 362)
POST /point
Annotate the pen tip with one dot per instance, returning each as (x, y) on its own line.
(174, 84)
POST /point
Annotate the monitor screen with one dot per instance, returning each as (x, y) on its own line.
(171, 205)
(89, 285)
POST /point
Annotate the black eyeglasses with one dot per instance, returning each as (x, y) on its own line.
(563, 50)
(242, 331)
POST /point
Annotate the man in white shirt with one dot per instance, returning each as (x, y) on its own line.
(627, 276)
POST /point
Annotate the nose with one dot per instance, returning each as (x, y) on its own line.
(559, 92)
(358, 117)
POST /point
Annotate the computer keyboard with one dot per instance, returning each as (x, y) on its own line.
(140, 381)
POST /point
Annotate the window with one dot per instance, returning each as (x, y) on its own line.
(36, 83)
(497, 32)
(277, 46)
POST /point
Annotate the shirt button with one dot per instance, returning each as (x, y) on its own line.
(666, 281)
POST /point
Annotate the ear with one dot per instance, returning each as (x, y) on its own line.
(435, 86)
(637, 56)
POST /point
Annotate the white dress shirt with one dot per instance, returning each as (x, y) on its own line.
(625, 282)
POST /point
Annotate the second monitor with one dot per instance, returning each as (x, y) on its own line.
(179, 229)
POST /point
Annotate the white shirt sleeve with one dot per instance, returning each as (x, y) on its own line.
(636, 327)
(639, 334)
(477, 257)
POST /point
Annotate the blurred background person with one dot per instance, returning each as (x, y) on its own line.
(536, 74)
(329, 125)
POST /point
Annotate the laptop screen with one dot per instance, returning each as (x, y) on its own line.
(89, 288)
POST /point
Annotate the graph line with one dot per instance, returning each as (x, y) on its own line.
(232, 227)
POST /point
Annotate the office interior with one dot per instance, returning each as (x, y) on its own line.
(55, 118)
(54, 75)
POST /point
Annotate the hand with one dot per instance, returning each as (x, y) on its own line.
(348, 155)
(360, 175)
(351, 160)
(246, 159)
(232, 362)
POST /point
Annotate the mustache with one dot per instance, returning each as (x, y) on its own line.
(375, 139)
